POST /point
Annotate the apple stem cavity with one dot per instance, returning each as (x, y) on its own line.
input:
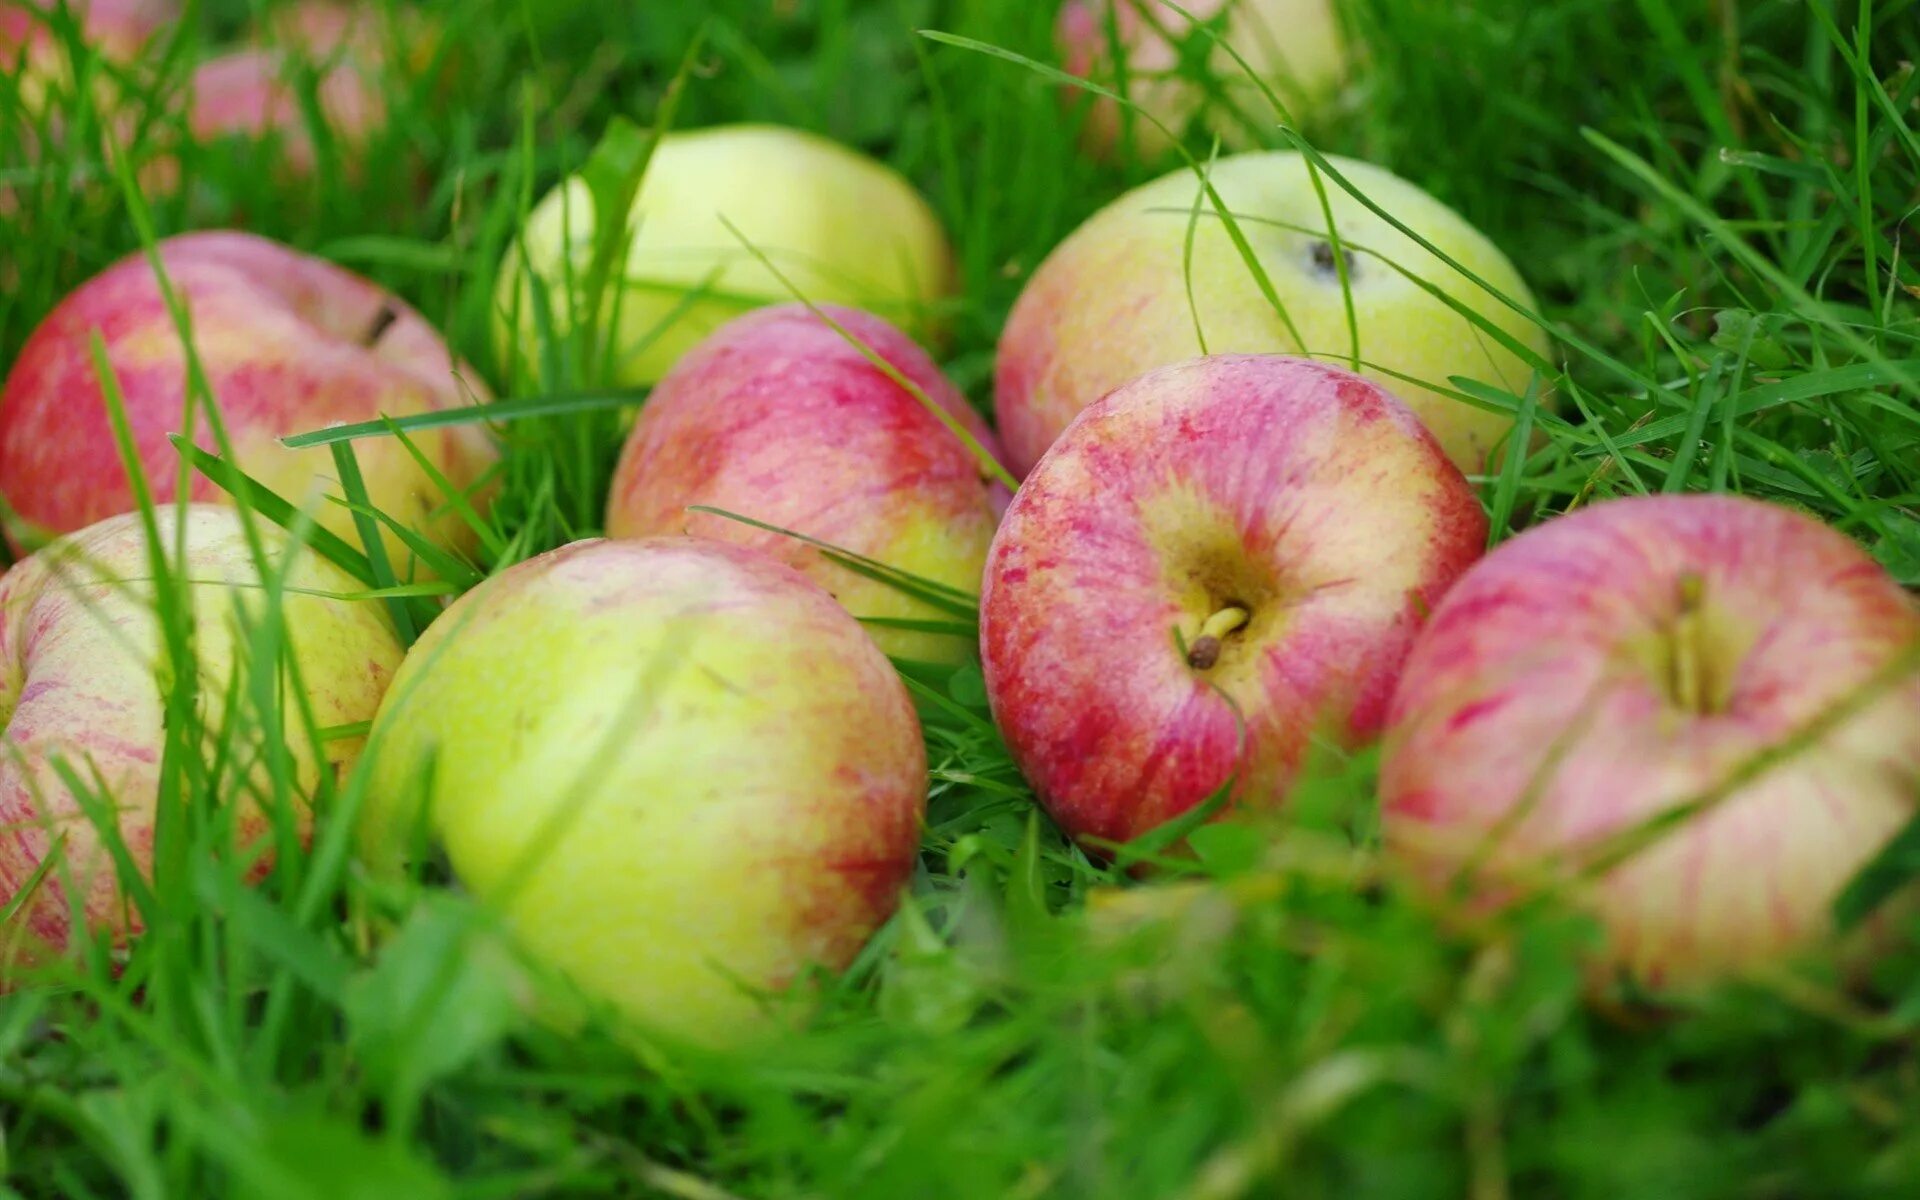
(1688, 680)
(1205, 650)
(382, 321)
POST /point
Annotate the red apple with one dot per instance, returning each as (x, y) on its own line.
(1232, 542)
(116, 30)
(288, 342)
(778, 417)
(1595, 672)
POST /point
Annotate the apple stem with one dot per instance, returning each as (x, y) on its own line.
(382, 321)
(1689, 686)
(1205, 650)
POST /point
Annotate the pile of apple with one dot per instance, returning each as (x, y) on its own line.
(678, 759)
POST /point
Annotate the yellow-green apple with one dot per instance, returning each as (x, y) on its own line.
(257, 94)
(1216, 563)
(288, 343)
(843, 228)
(680, 771)
(1295, 47)
(82, 662)
(1115, 299)
(780, 418)
(1615, 667)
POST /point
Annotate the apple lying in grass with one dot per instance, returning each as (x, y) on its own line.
(841, 227)
(82, 673)
(1295, 47)
(781, 418)
(260, 94)
(288, 344)
(1614, 667)
(1232, 545)
(1115, 299)
(680, 770)
(36, 53)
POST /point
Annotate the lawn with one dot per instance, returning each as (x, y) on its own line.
(1715, 202)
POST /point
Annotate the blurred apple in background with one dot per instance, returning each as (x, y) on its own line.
(289, 343)
(1236, 543)
(1294, 46)
(81, 664)
(1112, 301)
(844, 228)
(679, 769)
(1597, 671)
(779, 418)
(36, 54)
(259, 94)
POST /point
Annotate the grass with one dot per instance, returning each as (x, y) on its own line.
(1716, 204)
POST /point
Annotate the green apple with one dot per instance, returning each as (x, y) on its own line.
(682, 774)
(843, 228)
(1121, 296)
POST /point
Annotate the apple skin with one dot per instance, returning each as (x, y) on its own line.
(1111, 302)
(1301, 491)
(78, 684)
(737, 773)
(844, 228)
(1295, 47)
(1560, 643)
(116, 30)
(277, 333)
(777, 417)
(256, 93)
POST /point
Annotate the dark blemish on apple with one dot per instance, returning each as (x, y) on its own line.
(1324, 264)
(382, 321)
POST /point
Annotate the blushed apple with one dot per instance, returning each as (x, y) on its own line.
(257, 94)
(780, 418)
(1241, 542)
(1112, 301)
(1602, 669)
(289, 343)
(680, 770)
(1295, 47)
(37, 57)
(842, 227)
(81, 660)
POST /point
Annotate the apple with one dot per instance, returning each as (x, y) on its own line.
(1295, 48)
(843, 228)
(779, 418)
(257, 94)
(1601, 669)
(1240, 544)
(81, 659)
(1112, 301)
(36, 56)
(680, 772)
(289, 343)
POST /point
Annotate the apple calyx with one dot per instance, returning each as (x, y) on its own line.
(1204, 651)
(382, 321)
(1323, 260)
(1687, 676)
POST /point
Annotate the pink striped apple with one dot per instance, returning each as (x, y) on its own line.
(1236, 542)
(256, 94)
(288, 342)
(1640, 656)
(36, 56)
(81, 665)
(681, 770)
(778, 417)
